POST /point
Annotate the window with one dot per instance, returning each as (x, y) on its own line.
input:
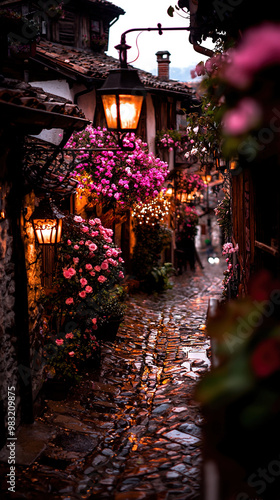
(95, 27)
(98, 40)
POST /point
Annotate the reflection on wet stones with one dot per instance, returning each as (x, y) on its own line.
(132, 431)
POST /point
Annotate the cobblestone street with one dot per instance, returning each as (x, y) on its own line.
(131, 431)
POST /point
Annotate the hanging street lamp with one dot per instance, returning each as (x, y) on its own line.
(123, 93)
(122, 97)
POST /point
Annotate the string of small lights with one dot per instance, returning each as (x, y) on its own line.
(153, 212)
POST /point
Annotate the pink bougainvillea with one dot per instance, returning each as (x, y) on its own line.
(122, 177)
(190, 183)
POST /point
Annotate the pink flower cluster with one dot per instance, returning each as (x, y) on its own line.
(191, 216)
(91, 259)
(122, 176)
(168, 142)
(228, 248)
(244, 117)
(191, 182)
(211, 66)
(259, 48)
(228, 275)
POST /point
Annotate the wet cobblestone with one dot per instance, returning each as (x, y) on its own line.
(131, 430)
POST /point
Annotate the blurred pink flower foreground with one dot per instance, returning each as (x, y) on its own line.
(259, 48)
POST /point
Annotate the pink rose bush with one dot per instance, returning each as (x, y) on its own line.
(67, 355)
(89, 272)
(89, 265)
(118, 177)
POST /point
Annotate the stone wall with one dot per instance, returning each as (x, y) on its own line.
(8, 357)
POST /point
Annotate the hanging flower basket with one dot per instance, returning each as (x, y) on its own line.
(119, 179)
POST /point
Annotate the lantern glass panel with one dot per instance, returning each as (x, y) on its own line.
(130, 109)
(110, 109)
(59, 230)
(48, 231)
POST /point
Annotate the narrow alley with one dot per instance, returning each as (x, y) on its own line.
(131, 430)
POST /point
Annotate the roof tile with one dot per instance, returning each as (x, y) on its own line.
(23, 94)
(98, 65)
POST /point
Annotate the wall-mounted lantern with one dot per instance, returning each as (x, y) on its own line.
(233, 164)
(169, 191)
(47, 223)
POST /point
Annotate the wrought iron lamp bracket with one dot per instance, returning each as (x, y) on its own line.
(123, 47)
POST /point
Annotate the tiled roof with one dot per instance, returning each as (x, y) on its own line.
(32, 110)
(95, 66)
(108, 4)
(23, 94)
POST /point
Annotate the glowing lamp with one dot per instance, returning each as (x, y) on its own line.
(122, 98)
(233, 164)
(47, 223)
(208, 178)
(169, 190)
(184, 197)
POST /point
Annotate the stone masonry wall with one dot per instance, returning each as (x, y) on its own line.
(8, 356)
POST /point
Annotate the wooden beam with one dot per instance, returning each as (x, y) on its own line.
(266, 248)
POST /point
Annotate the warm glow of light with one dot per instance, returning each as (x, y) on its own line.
(233, 164)
(213, 260)
(153, 212)
(129, 108)
(184, 198)
(48, 231)
(110, 109)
